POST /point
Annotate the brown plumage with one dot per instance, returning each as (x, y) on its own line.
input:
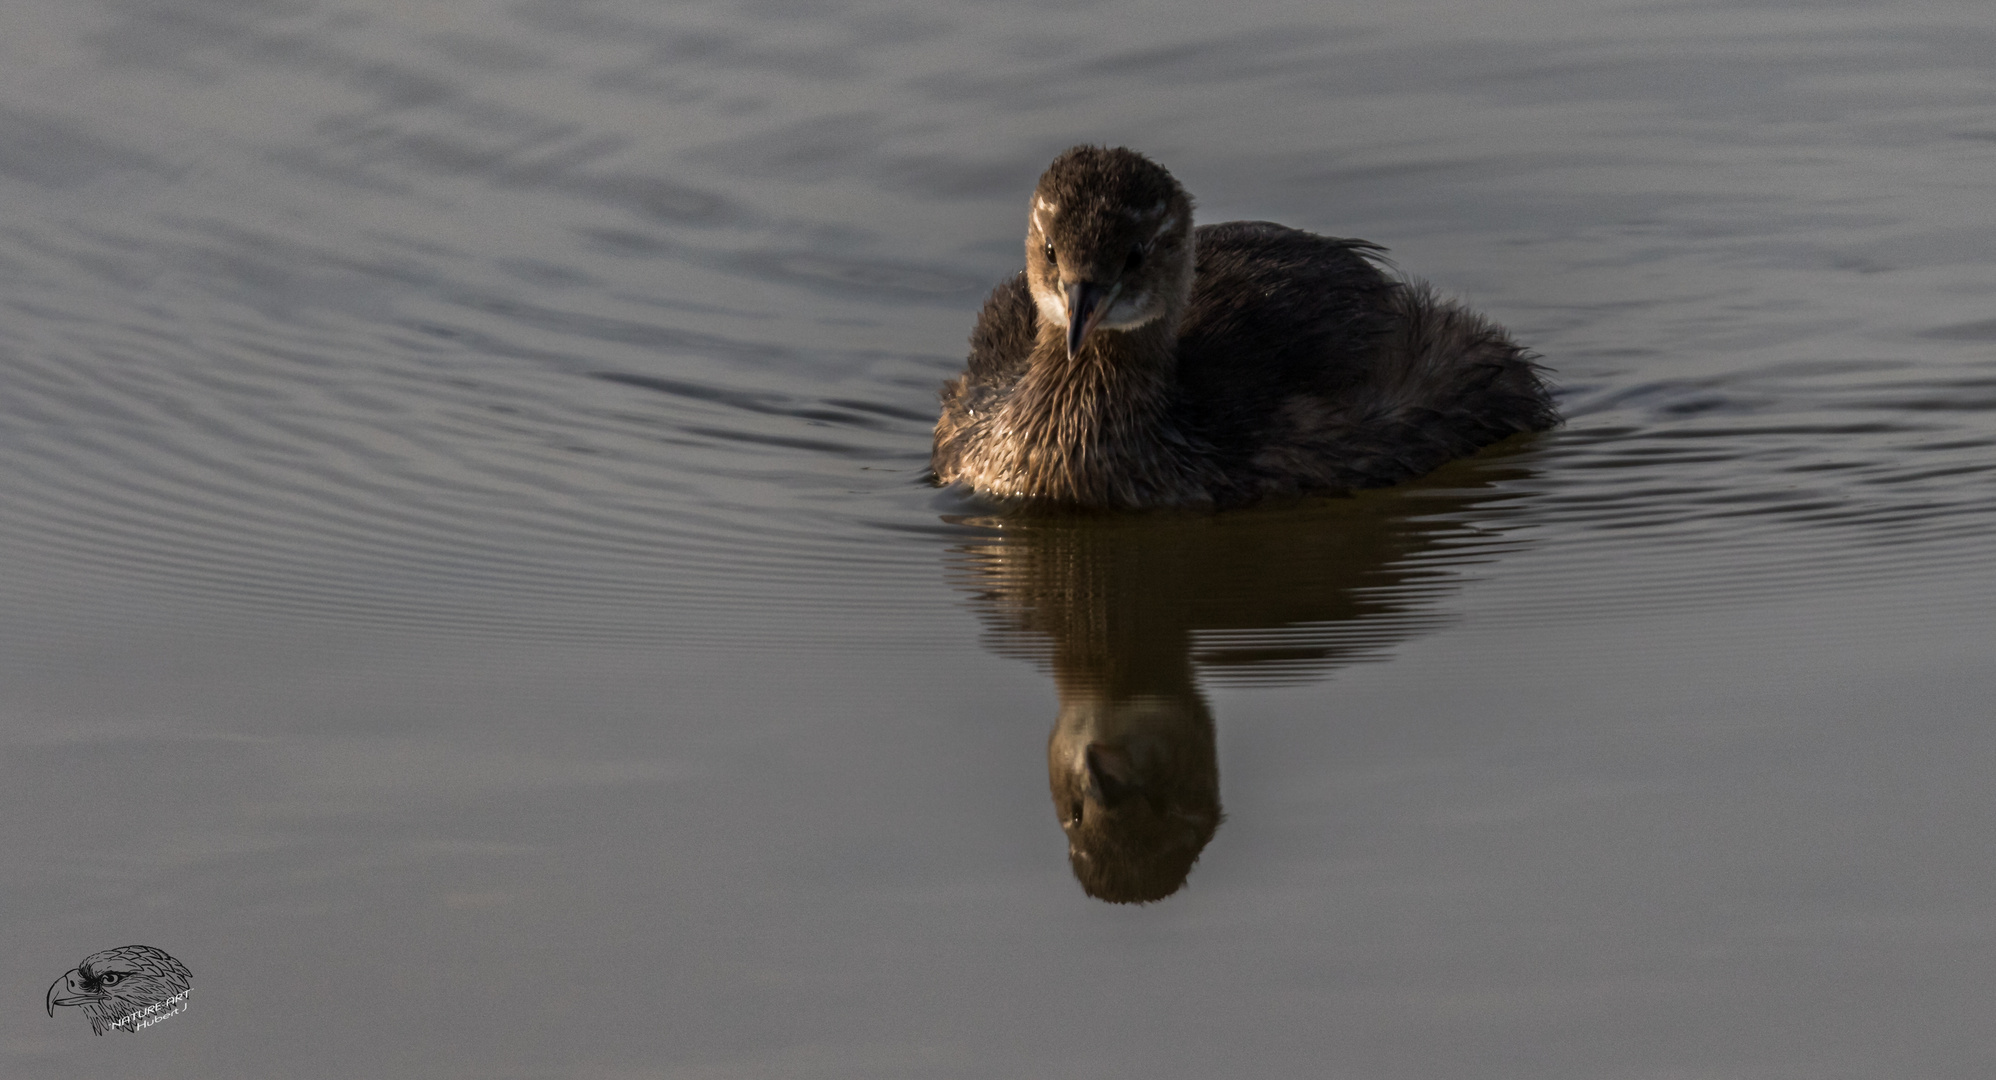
(1137, 362)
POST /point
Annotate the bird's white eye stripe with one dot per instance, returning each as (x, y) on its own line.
(1051, 208)
(1169, 224)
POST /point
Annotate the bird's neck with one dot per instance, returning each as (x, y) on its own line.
(1094, 428)
(1142, 360)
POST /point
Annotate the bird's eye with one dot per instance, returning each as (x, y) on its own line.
(111, 978)
(1049, 251)
(1074, 815)
(1136, 258)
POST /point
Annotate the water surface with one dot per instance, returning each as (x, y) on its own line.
(471, 593)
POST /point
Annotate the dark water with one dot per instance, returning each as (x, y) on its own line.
(470, 595)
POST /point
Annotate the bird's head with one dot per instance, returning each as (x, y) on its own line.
(1108, 244)
(118, 982)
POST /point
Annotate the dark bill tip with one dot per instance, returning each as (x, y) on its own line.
(1086, 301)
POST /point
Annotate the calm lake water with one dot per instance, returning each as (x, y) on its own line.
(470, 592)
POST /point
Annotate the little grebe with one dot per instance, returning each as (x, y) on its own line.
(1139, 362)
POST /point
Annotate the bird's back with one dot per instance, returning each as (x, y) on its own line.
(1275, 312)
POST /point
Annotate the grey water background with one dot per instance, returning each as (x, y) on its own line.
(468, 591)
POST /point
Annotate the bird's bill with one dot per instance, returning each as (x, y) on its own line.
(69, 981)
(1087, 302)
(1111, 774)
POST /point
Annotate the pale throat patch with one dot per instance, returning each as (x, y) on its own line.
(1125, 312)
(1052, 305)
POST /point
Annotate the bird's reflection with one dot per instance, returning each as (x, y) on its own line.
(1127, 612)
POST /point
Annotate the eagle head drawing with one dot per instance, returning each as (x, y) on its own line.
(128, 988)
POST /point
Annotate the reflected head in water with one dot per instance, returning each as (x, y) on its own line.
(1126, 612)
(1136, 782)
